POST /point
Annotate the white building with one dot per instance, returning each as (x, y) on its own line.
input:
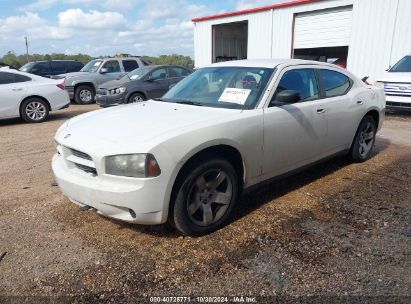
(366, 36)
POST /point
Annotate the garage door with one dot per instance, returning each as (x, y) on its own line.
(328, 28)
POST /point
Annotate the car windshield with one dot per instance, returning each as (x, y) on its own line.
(226, 87)
(92, 66)
(138, 73)
(404, 65)
(26, 67)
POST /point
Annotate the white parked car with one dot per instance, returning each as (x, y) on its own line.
(396, 82)
(29, 96)
(188, 156)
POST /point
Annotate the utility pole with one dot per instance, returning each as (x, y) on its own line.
(27, 49)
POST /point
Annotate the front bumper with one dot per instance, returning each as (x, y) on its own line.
(70, 91)
(400, 103)
(110, 100)
(138, 201)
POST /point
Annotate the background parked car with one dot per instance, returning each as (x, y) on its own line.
(51, 67)
(29, 96)
(140, 84)
(397, 85)
(82, 86)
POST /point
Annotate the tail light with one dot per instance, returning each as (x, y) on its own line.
(61, 86)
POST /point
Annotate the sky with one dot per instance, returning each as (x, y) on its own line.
(107, 27)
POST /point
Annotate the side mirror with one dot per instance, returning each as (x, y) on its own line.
(150, 78)
(287, 96)
(103, 71)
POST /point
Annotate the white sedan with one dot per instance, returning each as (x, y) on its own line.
(29, 96)
(186, 157)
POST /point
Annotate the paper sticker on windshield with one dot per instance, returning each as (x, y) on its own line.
(235, 95)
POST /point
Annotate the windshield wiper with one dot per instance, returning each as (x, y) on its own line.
(192, 103)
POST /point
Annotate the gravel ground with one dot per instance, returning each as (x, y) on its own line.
(338, 231)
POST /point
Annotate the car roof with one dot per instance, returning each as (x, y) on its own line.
(268, 63)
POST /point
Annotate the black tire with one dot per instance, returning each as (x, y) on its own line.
(364, 140)
(136, 97)
(34, 110)
(84, 94)
(220, 182)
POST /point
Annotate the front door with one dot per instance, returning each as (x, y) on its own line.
(11, 93)
(294, 133)
(158, 83)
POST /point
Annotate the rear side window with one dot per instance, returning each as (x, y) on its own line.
(58, 67)
(112, 66)
(6, 78)
(334, 83)
(301, 80)
(21, 78)
(178, 72)
(130, 65)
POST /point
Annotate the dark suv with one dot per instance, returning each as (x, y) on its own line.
(51, 67)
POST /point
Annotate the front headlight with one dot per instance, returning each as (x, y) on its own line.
(117, 91)
(379, 84)
(132, 165)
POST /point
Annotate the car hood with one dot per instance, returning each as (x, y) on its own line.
(142, 124)
(114, 84)
(395, 77)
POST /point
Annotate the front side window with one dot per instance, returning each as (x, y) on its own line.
(6, 78)
(112, 66)
(27, 67)
(42, 68)
(302, 81)
(159, 74)
(225, 87)
(130, 65)
(334, 83)
(92, 66)
(404, 65)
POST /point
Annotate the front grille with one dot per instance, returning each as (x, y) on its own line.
(80, 154)
(397, 89)
(86, 168)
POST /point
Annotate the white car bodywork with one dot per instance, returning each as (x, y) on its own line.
(13, 94)
(397, 87)
(271, 141)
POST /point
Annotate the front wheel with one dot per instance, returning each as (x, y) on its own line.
(136, 97)
(34, 110)
(364, 140)
(84, 94)
(205, 198)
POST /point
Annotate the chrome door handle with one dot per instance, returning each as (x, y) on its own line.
(320, 111)
(360, 102)
(17, 89)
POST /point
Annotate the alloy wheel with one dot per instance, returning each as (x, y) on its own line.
(366, 139)
(36, 110)
(209, 197)
(85, 95)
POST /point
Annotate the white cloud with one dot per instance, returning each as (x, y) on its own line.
(244, 4)
(76, 18)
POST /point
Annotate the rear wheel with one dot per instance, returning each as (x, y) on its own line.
(136, 97)
(205, 198)
(34, 110)
(364, 140)
(84, 94)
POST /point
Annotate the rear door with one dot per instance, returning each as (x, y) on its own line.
(294, 134)
(158, 83)
(12, 91)
(344, 108)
